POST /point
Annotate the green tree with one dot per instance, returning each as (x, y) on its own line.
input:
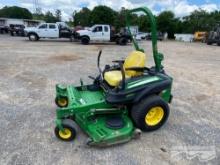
(166, 22)
(143, 23)
(199, 20)
(49, 17)
(103, 15)
(82, 17)
(58, 15)
(38, 15)
(15, 12)
(122, 15)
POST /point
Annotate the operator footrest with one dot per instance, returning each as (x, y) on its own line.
(116, 122)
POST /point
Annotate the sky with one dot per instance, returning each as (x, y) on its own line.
(179, 7)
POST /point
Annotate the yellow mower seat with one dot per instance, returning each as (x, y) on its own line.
(135, 59)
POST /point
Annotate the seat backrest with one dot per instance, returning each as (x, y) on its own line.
(135, 59)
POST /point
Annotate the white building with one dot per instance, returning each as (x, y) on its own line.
(134, 30)
(6, 22)
(184, 37)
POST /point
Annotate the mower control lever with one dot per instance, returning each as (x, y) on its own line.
(93, 78)
(123, 76)
(98, 63)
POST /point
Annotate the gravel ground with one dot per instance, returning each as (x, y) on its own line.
(30, 70)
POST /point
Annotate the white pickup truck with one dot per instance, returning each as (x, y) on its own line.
(102, 33)
(49, 30)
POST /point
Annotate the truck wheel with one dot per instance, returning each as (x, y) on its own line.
(69, 132)
(33, 37)
(123, 41)
(85, 40)
(117, 41)
(218, 43)
(150, 113)
(209, 43)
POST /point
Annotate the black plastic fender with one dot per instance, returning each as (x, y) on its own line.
(155, 88)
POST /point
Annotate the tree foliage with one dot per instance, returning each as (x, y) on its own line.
(166, 22)
(82, 17)
(199, 20)
(58, 15)
(23, 13)
(15, 12)
(48, 16)
(103, 15)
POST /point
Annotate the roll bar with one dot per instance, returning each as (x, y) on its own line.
(158, 57)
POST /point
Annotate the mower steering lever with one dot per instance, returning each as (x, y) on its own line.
(123, 75)
(98, 63)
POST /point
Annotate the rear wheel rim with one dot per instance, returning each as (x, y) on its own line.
(154, 116)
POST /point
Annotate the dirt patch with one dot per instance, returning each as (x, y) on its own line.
(31, 80)
(64, 58)
(201, 97)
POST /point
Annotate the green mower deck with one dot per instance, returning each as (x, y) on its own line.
(89, 109)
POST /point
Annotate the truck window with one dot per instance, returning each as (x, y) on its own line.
(44, 26)
(98, 29)
(106, 28)
(52, 26)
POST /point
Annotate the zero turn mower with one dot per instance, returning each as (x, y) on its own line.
(123, 100)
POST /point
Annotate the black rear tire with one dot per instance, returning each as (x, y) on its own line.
(139, 112)
(209, 43)
(85, 40)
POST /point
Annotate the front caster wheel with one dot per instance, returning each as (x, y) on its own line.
(150, 113)
(61, 101)
(69, 130)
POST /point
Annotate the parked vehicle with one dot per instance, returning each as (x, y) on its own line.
(141, 36)
(160, 36)
(3, 29)
(17, 29)
(103, 33)
(214, 35)
(49, 30)
(199, 36)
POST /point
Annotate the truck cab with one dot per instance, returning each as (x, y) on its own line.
(100, 32)
(49, 30)
(95, 33)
